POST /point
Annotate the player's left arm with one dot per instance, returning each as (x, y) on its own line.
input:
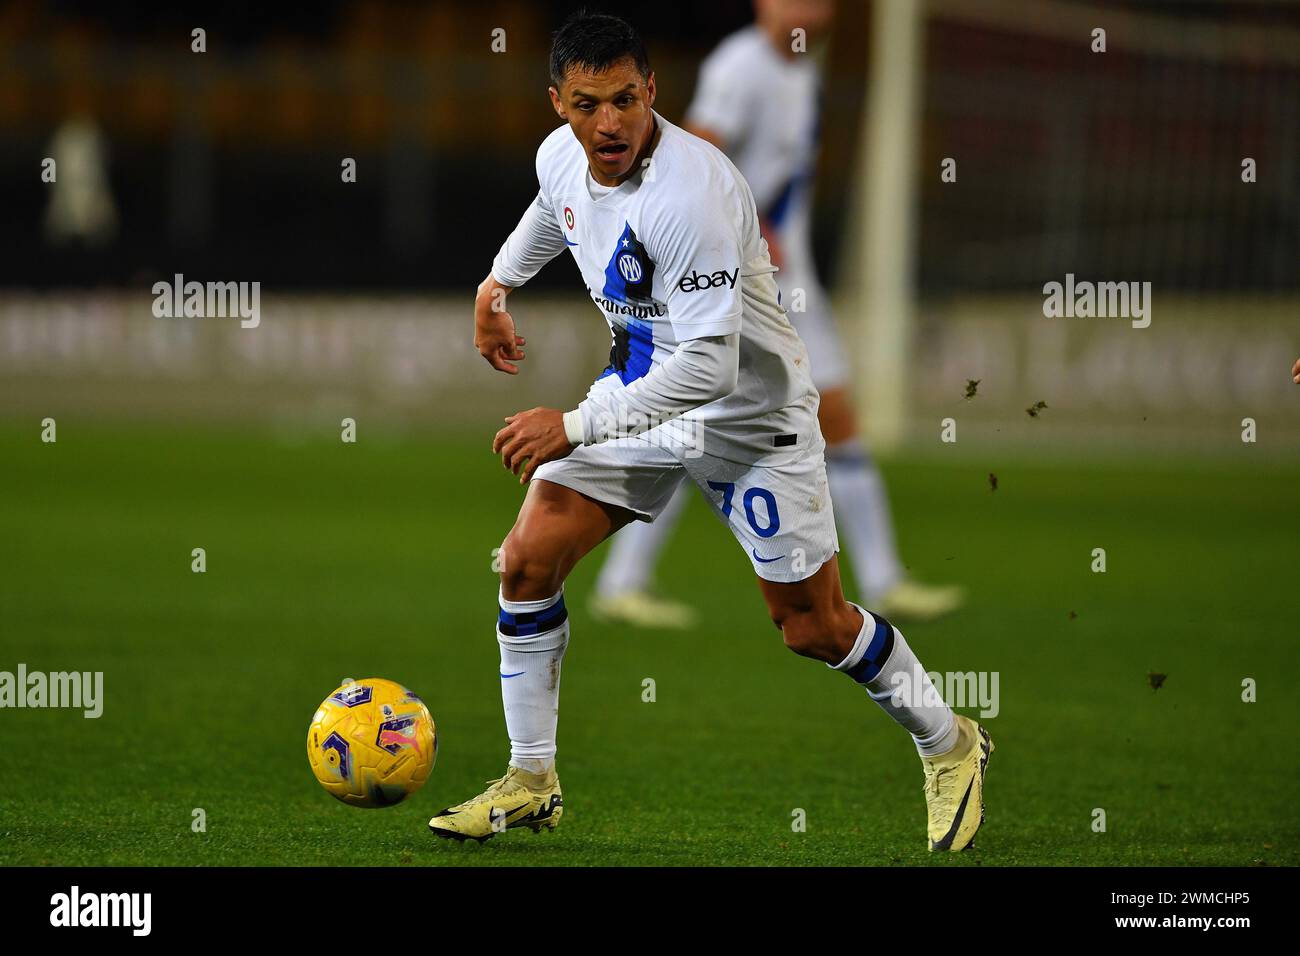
(715, 137)
(722, 113)
(1295, 371)
(695, 243)
(700, 371)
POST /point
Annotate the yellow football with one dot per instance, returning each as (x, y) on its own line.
(372, 743)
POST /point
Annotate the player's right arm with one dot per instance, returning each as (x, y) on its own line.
(535, 241)
(495, 335)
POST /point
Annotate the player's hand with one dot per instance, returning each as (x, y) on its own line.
(530, 439)
(1295, 371)
(494, 329)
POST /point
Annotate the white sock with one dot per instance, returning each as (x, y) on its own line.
(634, 551)
(533, 636)
(882, 662)
(862, 510)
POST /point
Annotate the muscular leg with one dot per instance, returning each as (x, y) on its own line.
(813, 616)
(816, 621)
(555, 528)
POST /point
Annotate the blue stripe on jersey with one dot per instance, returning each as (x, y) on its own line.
(629, 277)
(633, 347)
(641, 347)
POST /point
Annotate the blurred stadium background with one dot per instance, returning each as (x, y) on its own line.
(225, 166)
(174, 433)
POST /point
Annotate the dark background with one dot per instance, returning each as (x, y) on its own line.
(227, 163)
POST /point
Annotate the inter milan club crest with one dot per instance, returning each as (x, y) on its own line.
(629, 268)
(630, 273)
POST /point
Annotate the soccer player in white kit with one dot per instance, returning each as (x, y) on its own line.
(757, 101)
(707, 383)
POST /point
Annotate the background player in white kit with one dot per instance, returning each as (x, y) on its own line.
(708, 382)
(757, 101)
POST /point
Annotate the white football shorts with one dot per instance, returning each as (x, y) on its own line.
(780, 513)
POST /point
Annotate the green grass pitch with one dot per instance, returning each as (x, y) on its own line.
(327, 560)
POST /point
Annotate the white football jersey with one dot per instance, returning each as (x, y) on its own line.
(673, 254)
(764, 106)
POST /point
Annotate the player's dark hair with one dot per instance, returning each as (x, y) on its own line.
(595, 41)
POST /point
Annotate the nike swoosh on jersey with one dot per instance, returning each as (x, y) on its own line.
(765, 560)
(512, 675)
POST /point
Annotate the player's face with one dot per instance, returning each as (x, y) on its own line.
(610, 113)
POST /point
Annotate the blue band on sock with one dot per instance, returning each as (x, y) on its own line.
(878, 651)
(532, 622)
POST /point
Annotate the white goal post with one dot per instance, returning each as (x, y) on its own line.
(880, 258)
